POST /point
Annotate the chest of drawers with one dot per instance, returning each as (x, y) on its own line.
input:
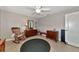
(29, 33)
(52, 35)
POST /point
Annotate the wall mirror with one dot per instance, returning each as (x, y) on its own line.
(30, 24)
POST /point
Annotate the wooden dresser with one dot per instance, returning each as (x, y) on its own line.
(2, 45)
(31, 32)
(52, 35)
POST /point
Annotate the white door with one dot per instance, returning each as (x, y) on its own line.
(72, 29)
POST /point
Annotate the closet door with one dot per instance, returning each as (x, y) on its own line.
(72, 29)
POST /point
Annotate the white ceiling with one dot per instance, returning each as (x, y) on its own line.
(29, 10)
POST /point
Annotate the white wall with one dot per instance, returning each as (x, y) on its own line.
(0, 23)
(9, 20)
(51, 22)
(72, 33)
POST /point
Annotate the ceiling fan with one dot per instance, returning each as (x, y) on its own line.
(40, 9)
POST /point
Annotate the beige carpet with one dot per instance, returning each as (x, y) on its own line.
(55, 46)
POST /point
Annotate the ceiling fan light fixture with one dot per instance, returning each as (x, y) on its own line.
(38, 10)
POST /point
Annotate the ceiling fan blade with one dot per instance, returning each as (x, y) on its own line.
(45, 9)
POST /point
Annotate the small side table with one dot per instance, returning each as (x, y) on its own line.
(2, 45)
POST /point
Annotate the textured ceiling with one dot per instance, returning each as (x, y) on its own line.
(29, 10)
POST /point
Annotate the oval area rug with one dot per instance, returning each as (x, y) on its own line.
(35, 45)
